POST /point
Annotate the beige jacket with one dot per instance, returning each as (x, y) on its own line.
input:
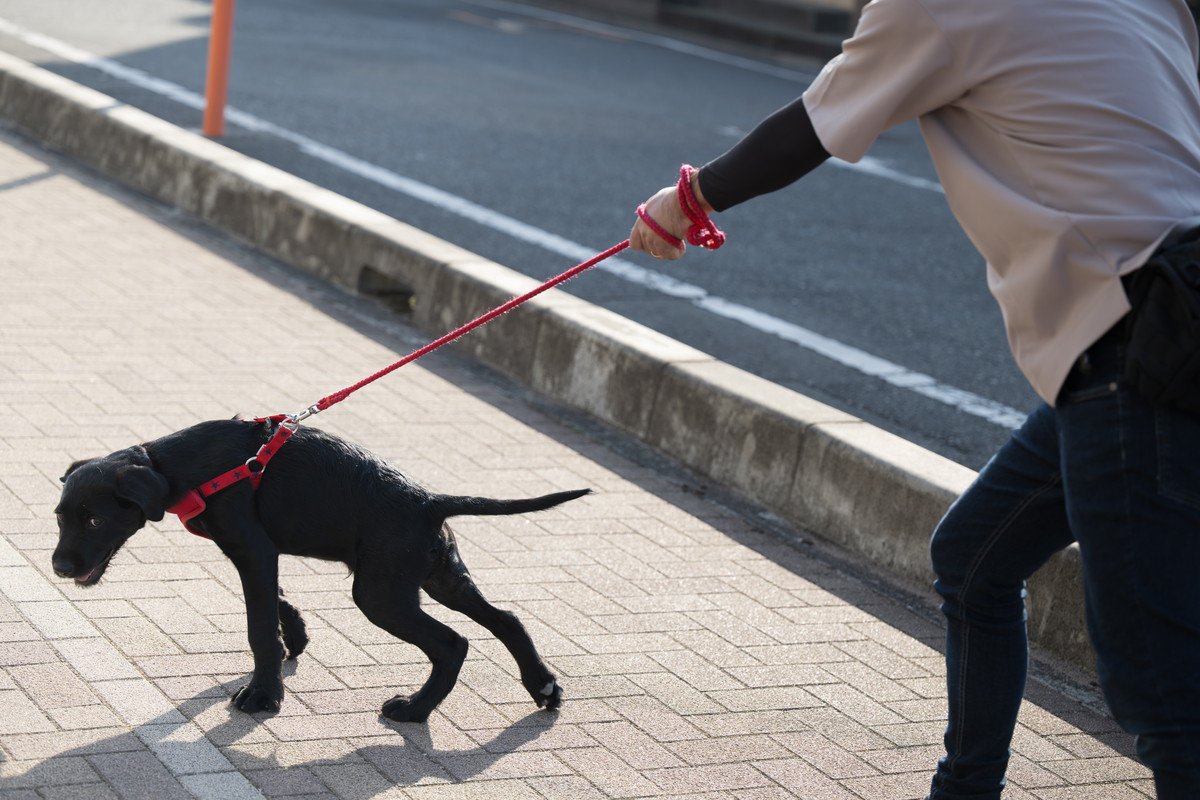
(1066, 134)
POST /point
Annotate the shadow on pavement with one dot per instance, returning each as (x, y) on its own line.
(405, 753)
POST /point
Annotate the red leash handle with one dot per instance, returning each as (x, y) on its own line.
(702, 233)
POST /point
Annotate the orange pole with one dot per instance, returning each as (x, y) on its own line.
(217, 87)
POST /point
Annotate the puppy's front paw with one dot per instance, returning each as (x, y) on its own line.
(543, 687)
(259, 696)
(402, 709)
(549, 696)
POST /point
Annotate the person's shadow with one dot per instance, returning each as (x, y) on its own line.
(408, 757)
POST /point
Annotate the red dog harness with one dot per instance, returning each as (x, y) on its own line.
(702, 233)
(193, 504)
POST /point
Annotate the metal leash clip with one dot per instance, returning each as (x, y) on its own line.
(293, 420)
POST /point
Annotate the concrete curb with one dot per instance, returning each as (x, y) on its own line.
(823, 470)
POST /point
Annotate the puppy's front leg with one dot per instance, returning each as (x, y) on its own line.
(257, 563)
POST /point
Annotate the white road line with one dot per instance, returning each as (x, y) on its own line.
(880, 169)
(642, 37)
(846, 355)
(867, 164)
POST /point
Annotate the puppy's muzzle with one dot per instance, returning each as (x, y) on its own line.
(65, 566)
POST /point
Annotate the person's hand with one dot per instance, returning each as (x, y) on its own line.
(663, 208)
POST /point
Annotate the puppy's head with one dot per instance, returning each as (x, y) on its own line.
(104, 502)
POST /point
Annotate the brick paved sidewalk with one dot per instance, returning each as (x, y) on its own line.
(701, 658)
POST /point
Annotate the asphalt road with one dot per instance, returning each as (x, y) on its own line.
(565, 126)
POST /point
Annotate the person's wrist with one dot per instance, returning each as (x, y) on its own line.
(695, 181)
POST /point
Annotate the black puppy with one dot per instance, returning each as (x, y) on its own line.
(321, 497)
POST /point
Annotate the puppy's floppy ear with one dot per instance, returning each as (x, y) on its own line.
(74, 467)
(146, 488)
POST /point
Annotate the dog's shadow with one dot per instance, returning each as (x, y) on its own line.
(433, 752)
(357, 766)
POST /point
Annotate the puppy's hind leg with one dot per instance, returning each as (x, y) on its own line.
(291, 625)
(397, 609)
(452, 586)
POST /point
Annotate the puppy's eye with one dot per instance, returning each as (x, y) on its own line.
(94, 522)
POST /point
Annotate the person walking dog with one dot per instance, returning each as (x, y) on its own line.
(1067, 138)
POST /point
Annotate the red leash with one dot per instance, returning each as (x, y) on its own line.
(703, 233)
(337, 397)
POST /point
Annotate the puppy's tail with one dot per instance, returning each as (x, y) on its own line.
(452, 506)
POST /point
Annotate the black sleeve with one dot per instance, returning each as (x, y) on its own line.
(782, 149)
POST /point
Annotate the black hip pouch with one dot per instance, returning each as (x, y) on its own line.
(1163, 330)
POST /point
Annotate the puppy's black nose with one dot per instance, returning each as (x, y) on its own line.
(64, 566)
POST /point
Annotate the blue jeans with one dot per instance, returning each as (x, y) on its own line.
(1120, 476)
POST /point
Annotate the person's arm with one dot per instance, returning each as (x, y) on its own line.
(901, 63)
(779, 151)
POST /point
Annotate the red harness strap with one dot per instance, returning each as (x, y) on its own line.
(703, 233)
(192, 505)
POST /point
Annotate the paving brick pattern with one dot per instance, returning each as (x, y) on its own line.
(701, 658)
